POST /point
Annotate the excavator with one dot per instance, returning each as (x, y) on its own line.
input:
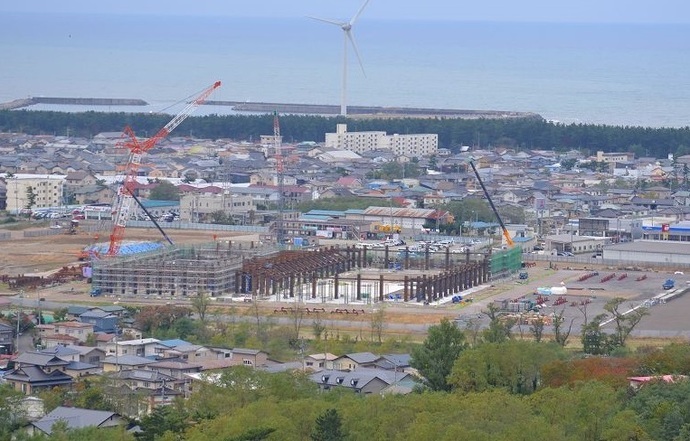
(506, 234)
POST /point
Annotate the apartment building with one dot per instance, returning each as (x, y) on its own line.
(46, 190)
(199, 207)
(409, 145)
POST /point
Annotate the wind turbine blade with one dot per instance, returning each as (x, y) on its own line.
(354, 19)
(326, 20)
(354, 46)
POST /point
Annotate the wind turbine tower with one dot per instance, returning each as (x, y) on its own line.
(346, 27)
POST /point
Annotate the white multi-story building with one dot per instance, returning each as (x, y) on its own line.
(47, 191)
(200, 206)
(402, 145)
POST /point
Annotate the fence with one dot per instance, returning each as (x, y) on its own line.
(584, 261)
(178, 225)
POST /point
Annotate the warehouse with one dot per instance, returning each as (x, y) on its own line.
(663, 252)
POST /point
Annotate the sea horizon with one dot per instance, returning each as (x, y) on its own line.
(613, 74)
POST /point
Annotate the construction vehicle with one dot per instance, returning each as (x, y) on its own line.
(387, 228)
(137, 148)
(506, 234)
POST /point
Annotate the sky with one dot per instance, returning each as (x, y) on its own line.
(576, 11)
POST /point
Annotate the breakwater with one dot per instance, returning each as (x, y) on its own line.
(327, 109)
(27, 102)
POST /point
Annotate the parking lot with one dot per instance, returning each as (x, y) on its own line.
(587, 293)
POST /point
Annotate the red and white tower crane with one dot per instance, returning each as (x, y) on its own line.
(137, 148)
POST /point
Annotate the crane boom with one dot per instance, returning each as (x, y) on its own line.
(506, 234)
(137, 148)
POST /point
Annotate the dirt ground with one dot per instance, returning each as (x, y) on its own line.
(37, 255)
(45, 254)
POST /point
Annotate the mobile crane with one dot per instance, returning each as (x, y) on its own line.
(506, 234)
(137, 148)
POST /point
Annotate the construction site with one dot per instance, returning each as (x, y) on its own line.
(328, 274)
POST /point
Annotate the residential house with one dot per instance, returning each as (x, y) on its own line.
(145, 347)
(175, 368)
(92, 194)
(361, 381)
(143, 390)
(6, 339)
(75, 368)
(64, 333)
(102, 321)
(89, 354)
(319, 362)
(75, 418)
(125, 362)
(35, 371)
(187, 352)
(355, 360)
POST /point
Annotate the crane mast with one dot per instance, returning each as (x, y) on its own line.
(277, 144)
(137, 149)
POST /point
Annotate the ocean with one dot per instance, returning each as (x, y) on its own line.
(616, 74)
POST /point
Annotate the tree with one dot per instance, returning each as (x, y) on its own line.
(568, 164)
(328, 427)
(190, 176)
(318, 327)
(258, 434)
(499, 327)
(60, 314)
(537, 328)
(435, 358)
(30, 197)
(200, 305)
(164, 191)
(163, 419)
(378, 323)
(12, 415)
(219, 217)
(513, 365)
(594, 340)
(561, 335)
(624, 322)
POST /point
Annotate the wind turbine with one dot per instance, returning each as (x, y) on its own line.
(346, 26)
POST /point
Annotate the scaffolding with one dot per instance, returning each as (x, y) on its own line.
(174, 272)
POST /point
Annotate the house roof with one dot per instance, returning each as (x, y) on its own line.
(142, 375)
(35, 375)
(76, 418)
(174, 365)
(357, 378)
(361, 357)
(40, 359)
(174, 343)
(60, 351)
(128, 360)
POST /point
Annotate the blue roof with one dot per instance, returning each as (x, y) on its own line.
(127, 248)
(174, 343)
(324, 213)
(308, 217)
(148, 203)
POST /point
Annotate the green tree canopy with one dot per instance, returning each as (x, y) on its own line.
(164, 191)
(435, 358)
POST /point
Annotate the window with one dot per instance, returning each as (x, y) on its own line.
(247, 362)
